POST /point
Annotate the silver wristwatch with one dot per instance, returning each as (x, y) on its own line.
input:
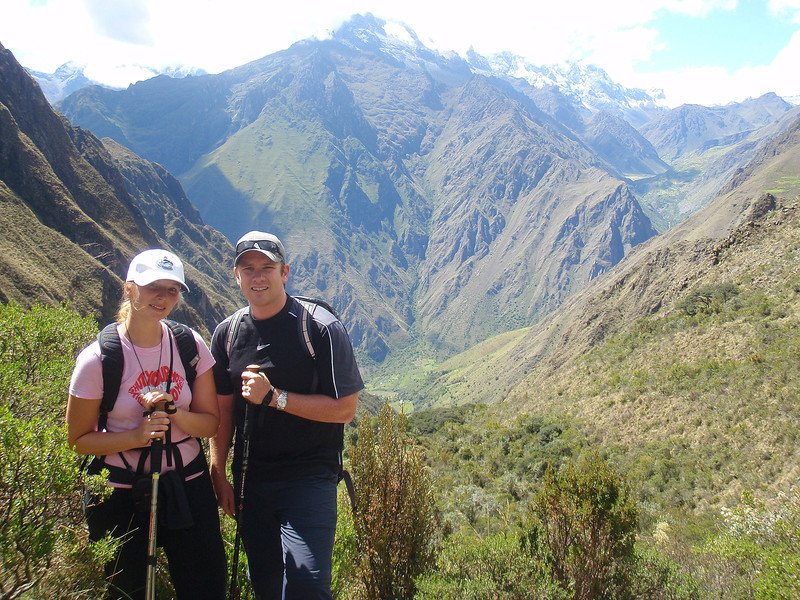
(280, 403)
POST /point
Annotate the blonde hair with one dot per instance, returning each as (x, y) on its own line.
(124, 310)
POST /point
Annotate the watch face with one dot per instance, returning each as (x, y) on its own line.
(280, 403)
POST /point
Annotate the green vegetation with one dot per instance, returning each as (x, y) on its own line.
(395, 521)
(43, 544)
(456, 502)
(785, 184)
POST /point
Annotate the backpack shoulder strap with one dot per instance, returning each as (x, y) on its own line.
(111, 361)
(187, 348)
(309, 306)
(304, 323)
(234, 322)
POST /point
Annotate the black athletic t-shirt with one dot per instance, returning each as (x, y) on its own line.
(284, 446)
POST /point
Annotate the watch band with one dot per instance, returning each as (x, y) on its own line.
(280, 403)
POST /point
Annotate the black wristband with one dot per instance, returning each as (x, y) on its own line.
(170, 408)
(268, 397)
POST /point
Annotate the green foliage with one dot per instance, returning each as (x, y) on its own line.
(37, 355)
(395, 523)
(655, 577)
(583, 527)
(43, 540)
(708, 299)
(758, 552)
(496, 566)
(486, 470)
(345, 583)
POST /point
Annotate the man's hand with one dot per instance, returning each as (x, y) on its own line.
(255, 386)
(224, 491)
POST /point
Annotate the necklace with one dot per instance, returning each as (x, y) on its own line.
(150, 388)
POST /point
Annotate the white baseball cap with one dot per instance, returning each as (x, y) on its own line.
(266, 243)
(152, 265)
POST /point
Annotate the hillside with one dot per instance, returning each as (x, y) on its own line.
(74, 211)
(688, 346)
(705, 146)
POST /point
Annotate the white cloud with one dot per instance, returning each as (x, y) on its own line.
(717, 86)
(786, 7)
(120, 41)
(125, 21)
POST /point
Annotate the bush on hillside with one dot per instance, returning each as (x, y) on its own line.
(43, 542)
(471, 567)
(395, 523)
(757, 555)
(708, 299)
(582, 528)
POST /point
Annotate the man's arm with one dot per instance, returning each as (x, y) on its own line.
(318, 407)
(315, 407)
(220, 446)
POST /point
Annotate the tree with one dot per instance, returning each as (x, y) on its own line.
(583, 527)
(395, 521)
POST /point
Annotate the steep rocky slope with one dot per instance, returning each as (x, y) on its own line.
(73, 214)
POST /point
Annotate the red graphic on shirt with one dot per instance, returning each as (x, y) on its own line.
(156, 380)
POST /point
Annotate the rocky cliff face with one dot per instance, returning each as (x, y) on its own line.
(73, 216)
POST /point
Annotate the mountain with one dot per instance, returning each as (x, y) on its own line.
(70, 77)
(584, 84)
(74, 211)
(692, 128)
(66, 79)
(652, 279)
(704, 147)
(429, 202)
(688, 344)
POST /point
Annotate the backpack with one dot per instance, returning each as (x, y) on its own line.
(309, 306)
(112, 362)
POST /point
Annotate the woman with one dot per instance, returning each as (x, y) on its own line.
(154, 403)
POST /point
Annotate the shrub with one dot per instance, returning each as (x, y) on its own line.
(44, 547)
(395, 521)
(582, 527)
(757, 555)
(496, 566)
(708, 299)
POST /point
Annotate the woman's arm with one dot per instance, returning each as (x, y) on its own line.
(202, 418)
(220, 446)
(83, 437)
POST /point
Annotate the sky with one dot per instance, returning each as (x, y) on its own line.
(706, 52)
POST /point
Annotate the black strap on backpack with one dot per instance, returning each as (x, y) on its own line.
(111, 360)
(308, 306)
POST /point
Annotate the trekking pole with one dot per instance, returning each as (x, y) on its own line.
(155, 473)
(234, 592)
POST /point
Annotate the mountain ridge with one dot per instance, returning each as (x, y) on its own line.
(73, 219)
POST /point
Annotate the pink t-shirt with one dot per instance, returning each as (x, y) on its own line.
(138, 379)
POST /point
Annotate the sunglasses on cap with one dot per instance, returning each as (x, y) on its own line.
(267, 245)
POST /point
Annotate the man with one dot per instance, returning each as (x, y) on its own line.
(298, 408)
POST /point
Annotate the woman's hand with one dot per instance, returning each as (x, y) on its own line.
(155, 400)
(156, 422)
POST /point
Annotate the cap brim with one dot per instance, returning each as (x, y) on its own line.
(271, 255)
(149, 277)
